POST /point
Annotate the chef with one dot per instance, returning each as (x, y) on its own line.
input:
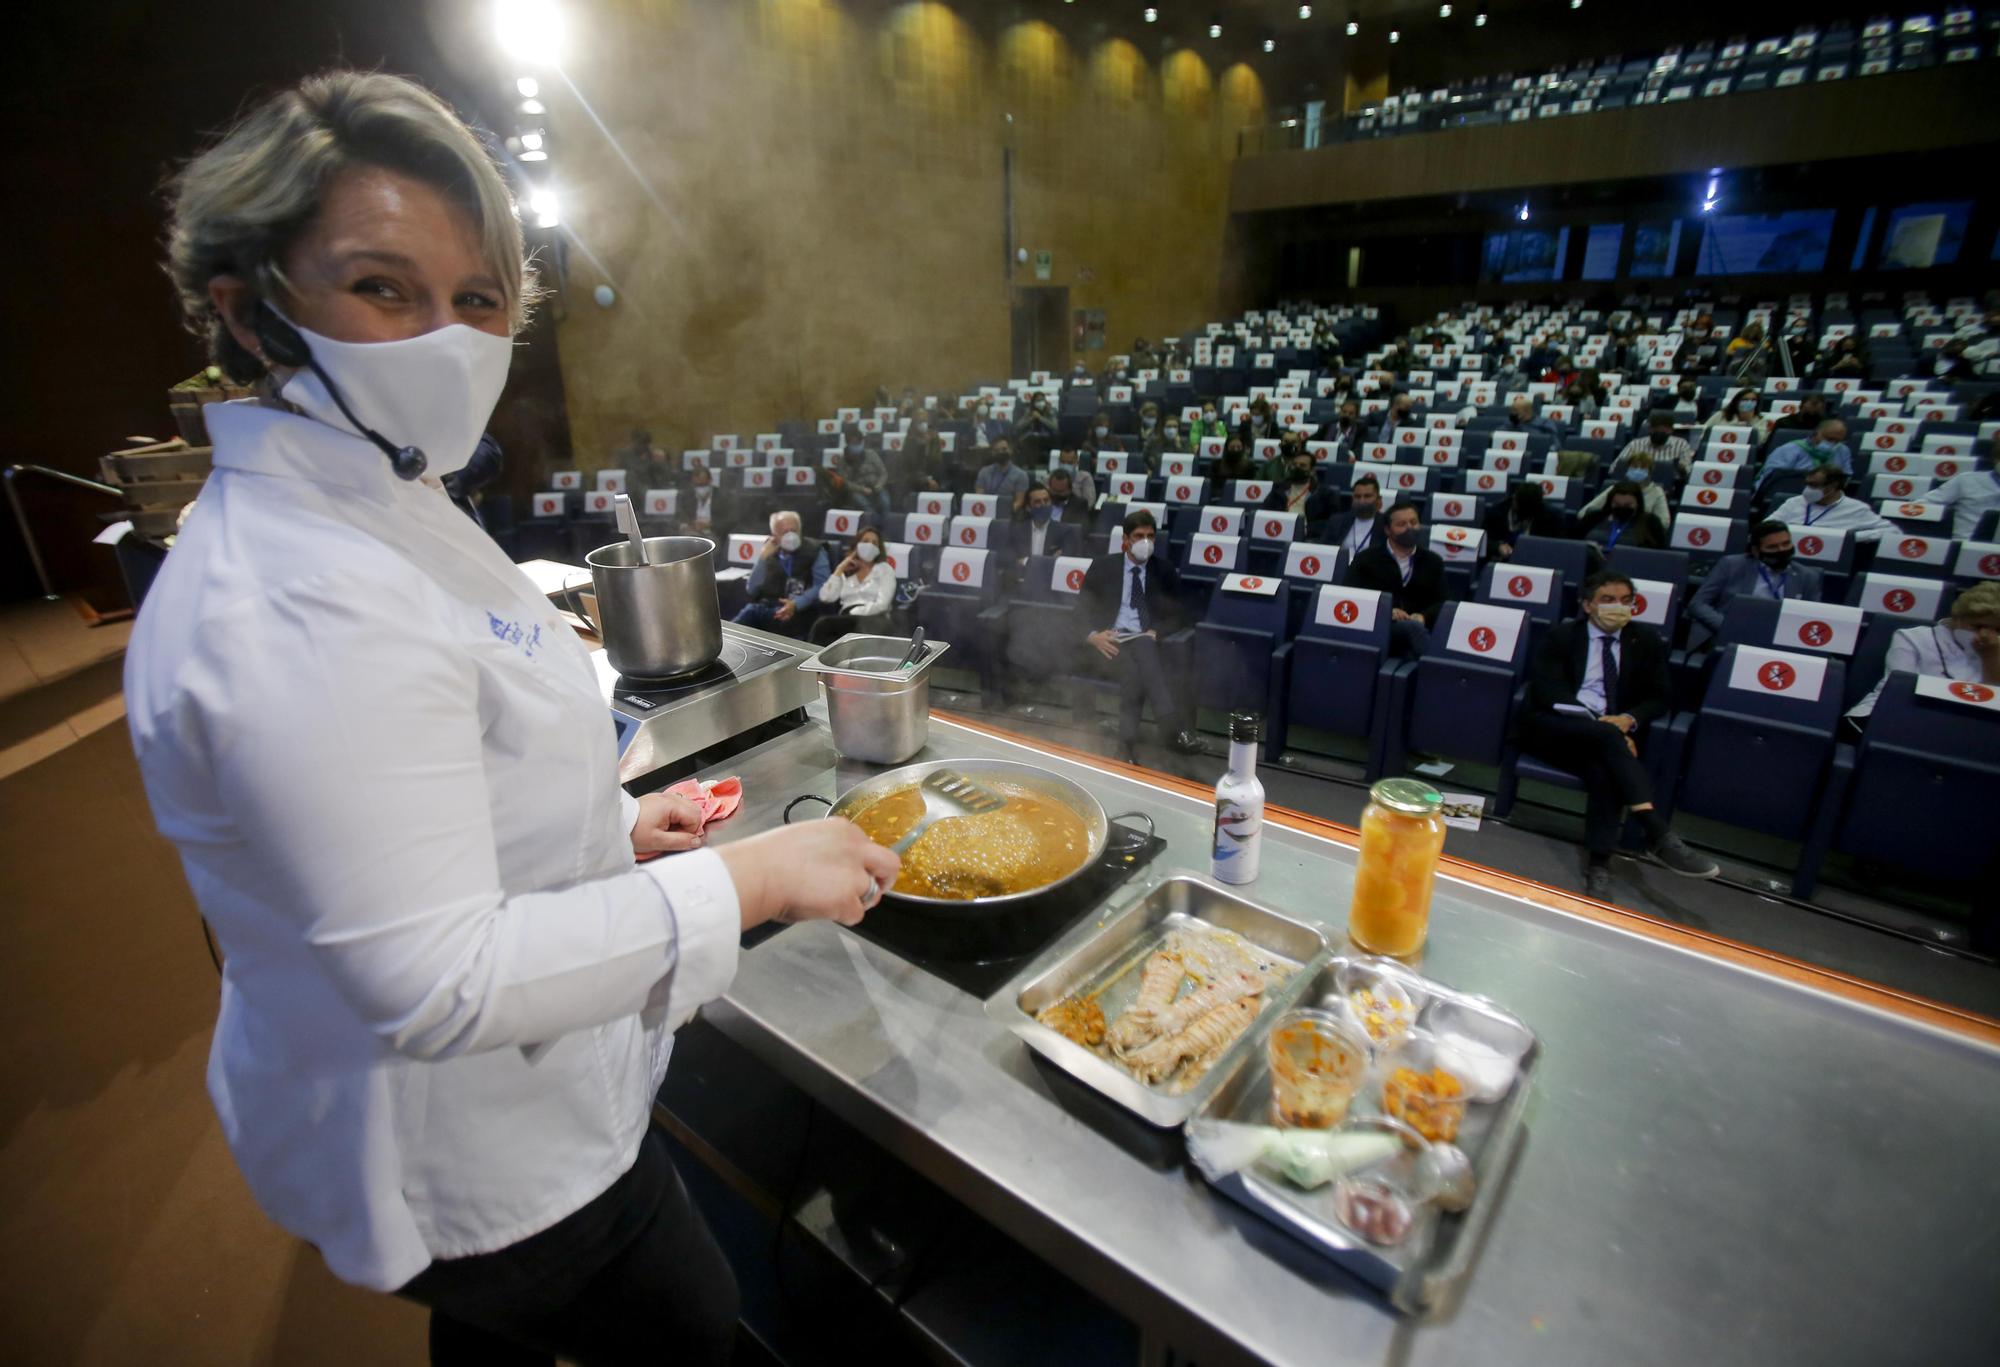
(449, 992)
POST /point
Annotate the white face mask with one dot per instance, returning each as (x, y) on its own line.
(1103, 432)
(868, 551)
(435, 392)
(1141, 551)
(789, 541)
(1813, 495)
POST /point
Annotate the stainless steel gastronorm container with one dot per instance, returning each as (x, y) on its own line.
(878, 714)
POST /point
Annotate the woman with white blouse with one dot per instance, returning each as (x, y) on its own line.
(1964, 645)
(449, 992)
(860, 591)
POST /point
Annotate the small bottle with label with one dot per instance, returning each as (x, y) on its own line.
(1239, 805)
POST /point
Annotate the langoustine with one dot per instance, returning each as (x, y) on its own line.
(1207, 1037)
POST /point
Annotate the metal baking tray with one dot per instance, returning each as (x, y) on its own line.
(1437, 1253)
(1101, 959)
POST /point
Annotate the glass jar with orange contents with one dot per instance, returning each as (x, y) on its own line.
(1402, 836)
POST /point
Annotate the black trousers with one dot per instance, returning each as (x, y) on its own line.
(834, 625)
(1595, 752)
(633, 1277)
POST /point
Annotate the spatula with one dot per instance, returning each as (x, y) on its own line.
(948, 793)
(628, 523)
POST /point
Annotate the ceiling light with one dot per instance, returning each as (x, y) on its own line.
(1479, 19)
(1305, 11)
(530, 31)
(1270, 45)
(1215, 29)
(533, 107)
(1152, 15)
(531, 141)
(543, 202)
(534, 156)
(1576, 4)
(1524, 211)
(1444, 11)
(1395, 35)
(1353, 27)
(529, 87)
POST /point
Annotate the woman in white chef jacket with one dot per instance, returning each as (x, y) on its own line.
(449, 991)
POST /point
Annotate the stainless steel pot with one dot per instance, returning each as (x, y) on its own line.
(1025, 777)
(662, 618)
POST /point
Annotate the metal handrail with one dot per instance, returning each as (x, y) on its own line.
(21, 518)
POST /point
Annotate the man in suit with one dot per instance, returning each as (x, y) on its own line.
(1127, 607)
(1299, 491)
(1766, 572)
(1040, 534)
(1594, 688)
(1398, 564)
(1360, 527)
(1071, 508)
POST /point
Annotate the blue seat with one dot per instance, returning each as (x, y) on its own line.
(1501, 582)
(1336, 677)
(1644, 562)
(1200, 573)
(1040, 634)
(1569, 558)
(1236, 645)
(1916, 792)
(1833, 554)
(967, 615)
(1457, 702)
(1785, 742)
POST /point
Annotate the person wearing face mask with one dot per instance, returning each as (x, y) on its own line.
(1685, 403)
(1622, 516)
(1355, 530)
(1152, 441)
(1258, 423)
(1971, 494)
(1128, 606)
(858, 594)
(919, 465)
(1951, 364)
(1964, 645)
(1594, 688)
(1035, 433)
(703, 507)
(1236, 462)
(1741, 411)
(1825, 447)
(1291, 446)
(448, 992)
(1002, 478)
(1521, 513)
(1301, 492)
(1069, 506)
(1823, 503)
(1348, 433)
(1660, 447)
(986, 429)
(785, 581)
(1767, 571)
(1041, 532)
(1173, 441)
(1402, 412)
(860, 478)
(1521, 418)
(1801, 421)
(1210, 424)
(1400, 566)
(1097, 437)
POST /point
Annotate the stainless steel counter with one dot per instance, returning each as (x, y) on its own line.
(1721, 1166)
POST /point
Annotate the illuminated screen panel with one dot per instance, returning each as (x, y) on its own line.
(1525, 255)
(1919, 236)
(1600, 251)
(1761, 244)
(1655, 247)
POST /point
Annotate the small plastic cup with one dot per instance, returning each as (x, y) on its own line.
(1381, 996)
(1419, 1090)
(1318, 1063)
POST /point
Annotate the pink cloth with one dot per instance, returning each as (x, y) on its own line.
(718, 799)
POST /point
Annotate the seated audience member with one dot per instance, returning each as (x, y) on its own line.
(1824, 504)
(1951, 363)
(1209, 424)
(1035, 433)
(1826, 446)
(1290, 444)
(1259, 423)
(1002, 478)
(1562, 373)
(1236, 462)
(702, 507)
(1623, 516)
(1097, 436)
(1127, 606)
(1766, 571)
(1521, 418)
(858, 594)
(1402, 412)
(920, 464)
(1581, 396)
(1347, 433)
(1751, 338)
(1040, 532)
(1299, 492)
(1360, 527)
(646, 466)
(1964, 645)
(785, 582)
(1846, 357)
(1398, 564)
(1685, 403)
(1152, 440)
(1519, 514)
(986, 429)
(1741, 411)
(860, 478)
(1594, 689)
(1173, 441)
(1070, 507)
(1971, 494)
(1801, 421)
(1659, 446)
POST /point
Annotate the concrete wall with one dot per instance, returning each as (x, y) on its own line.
(833, 207)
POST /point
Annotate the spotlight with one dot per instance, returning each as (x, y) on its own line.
(1444, 11)
(530, 31)
(1270, 45)
(529, 87)
(533, 107)
(1215, 29)
(1353, 27)
(1395, 35)
(1152, 15)
(531, 141)
(1576, 4)
(534, 156)
(1305, 11)
(543, 202)
(1479, 19)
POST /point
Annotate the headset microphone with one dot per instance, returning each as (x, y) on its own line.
(283, 344)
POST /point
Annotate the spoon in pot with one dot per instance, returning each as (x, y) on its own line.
(628, 523)
(915, 652)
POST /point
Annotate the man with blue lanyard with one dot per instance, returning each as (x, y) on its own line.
(1354, 530)
(1766, 572)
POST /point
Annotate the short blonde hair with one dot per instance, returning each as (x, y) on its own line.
(237, 207)
(1981, 600)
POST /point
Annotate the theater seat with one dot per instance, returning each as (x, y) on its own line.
(1336, 673)
(1459, 700)
(1236, 644)
(963, 607)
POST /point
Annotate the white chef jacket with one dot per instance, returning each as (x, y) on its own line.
(448, 994)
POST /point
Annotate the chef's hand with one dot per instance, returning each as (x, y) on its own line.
(667, 823)
(1105, 646)
(812, 871)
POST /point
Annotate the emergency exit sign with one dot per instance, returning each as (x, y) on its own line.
(1045, 265)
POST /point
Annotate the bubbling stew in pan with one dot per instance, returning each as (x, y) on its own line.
(1029, 842)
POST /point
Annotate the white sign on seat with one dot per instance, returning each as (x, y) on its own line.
(934, 505)
(1900, 595)
(1524, 583)
(970, 531)
(1978, 560)
(1208, 551)
(1833, 628)
(979, 505)
(963, 567)
(1652, 601)
(1820, 545)
(1778, 673)
(896, 554)
(1714, 473)
(1454, 508)
(1693, 532)
(1220, 521)
(1907, 487)
(566, 479)
(1068, 572)
(744, 546)
(662, 502)
(1186, 491)
(1354, 609)
(548, 505)
(1963, 691)
(1485, 631)
(842, 522)
(1262, 585)
(1458, 545)
(925, 529)
(1913, 550)
(1312, 560)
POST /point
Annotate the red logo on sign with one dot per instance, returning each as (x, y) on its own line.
(1698, 536)
(1453, 509)
(1253, 583)
(600, 502)
(1520, 586)
(1901, 488)
(1482, 639)
(840, 524)
(1913, 548)
(961, 571)
(1217, 523)
(1345, 611)
(1638, 605)
(1894, 464)
(746, 551)
(1705, 496)
(1899, 600)
(1274, 529)
(1972, 692)
(1913, 510)
(1075, 579)
(1504, 463)
(1182, 493)
(1947, 468)
(1406, 479)
(1777, 676)
(968, 535)
(1454, 534)
(1811, 545)
(1711, 477)
(923, 532)
(1212, 554)
(1989, 565)
(1815, 633)
(1310, 564)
